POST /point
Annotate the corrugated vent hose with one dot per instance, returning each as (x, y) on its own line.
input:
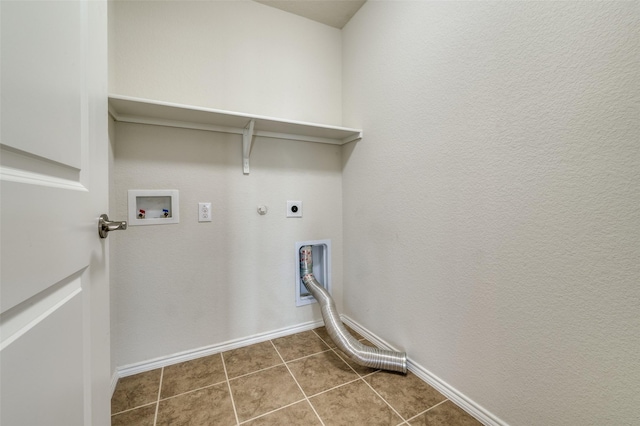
(356, 351)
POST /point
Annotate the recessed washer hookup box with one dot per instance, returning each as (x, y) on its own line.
(153, 206)
(321, 255)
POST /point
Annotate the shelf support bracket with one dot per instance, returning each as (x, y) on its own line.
(247, 141)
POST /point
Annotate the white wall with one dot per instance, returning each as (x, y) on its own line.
(491, 221)
(180, 287)
(184, 286)
(490, 214)
(232, 55)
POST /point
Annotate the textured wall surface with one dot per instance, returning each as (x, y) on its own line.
(180, 287)
(232, 55)
(491, 213)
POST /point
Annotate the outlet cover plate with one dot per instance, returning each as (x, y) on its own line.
(294, 208)
(204, 212)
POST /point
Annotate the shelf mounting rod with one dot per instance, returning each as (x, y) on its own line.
(247, 141)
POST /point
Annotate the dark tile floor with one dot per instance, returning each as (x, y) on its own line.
(302, 379)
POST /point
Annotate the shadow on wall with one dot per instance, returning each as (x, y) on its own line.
(347, 151)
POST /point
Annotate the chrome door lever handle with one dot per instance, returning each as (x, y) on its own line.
(105, 226)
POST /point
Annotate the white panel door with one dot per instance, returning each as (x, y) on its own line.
(54, 296)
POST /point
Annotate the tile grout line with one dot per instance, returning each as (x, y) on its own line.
(385, 401)
(193, 390)
(361, 377)
(319, 337)
(133, 408)
(233, 403)
(278, 365)
(300, 387)
(361, 339)
(309, 356)
(155, 417)
(345, 361)
(257, 371)
(336, 387)
(428, 409)
(345, 358)
(273, 411)
(306, 397)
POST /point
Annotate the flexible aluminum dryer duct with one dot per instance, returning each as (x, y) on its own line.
(359, 353)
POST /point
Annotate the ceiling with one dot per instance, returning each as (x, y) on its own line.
(335, 13)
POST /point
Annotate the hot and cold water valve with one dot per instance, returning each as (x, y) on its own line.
(153, 206)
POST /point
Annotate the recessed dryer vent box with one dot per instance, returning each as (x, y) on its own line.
(153, 206)
(321, 255)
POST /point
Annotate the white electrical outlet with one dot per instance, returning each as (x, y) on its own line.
(294, 208)
(204, 212)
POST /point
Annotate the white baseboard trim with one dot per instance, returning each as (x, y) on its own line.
(152, 364)
(367, 334)
(477, 411)
(480, 413)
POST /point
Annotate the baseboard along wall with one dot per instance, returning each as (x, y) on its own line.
(457, 397)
